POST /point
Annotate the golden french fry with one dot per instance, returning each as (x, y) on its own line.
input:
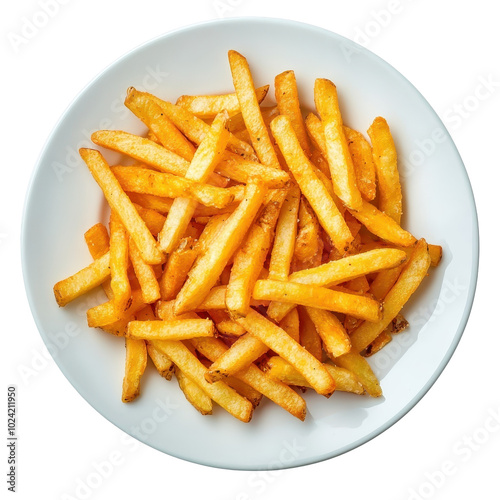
(97, 239)
(121, 204)
(241, 169)
(208, 106)
(314, 129)
(362, 159)
(280, 369)
(281, 343)
(379, 343)
(284, 238)
(308, 241)
(250, 109)
(177, 268)
(118, 263)
(160, 125)
(277, 392)
(436, 253)
(287, 98)
(222, 394)
(135, 364)
(339, 271)
(107, 313)
(83, 281)
(291, 324)
(163, 364)
(145, 275)
(360, 367)
(410, 278)
(358, 306)
(180, 329)
(308, 335)
(338, 155)
(143, 180)
(311, 186)
(194, 393)
(241, 354)
(230, 328)
(335, 339)
(382, 225)
(208, 267)
(206, 157)
(390, 199)
(249, 259)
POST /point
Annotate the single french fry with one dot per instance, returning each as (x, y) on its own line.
(410, 278)
(143, 180)
(281, 343)
(314, 129)
(287, 98)
(222, 394)
(335, 339)
(291, 324)
(208, 106)
(311, 186)
(145, 275)
(97, 239)
(338, 155)
(105, 314)
(135, 364)
(277, 392)
(208, 267)
(322, 298)
(280, 369)
(436, 253)
(162, 127)
(241, 169)
(198, 398)
(250, 109)
(118, 263)
(242, 353)
(121, 204)
(285, 234)
(250, 257)
(230, 328)
(308, 241)
(177, 268)
(382, 225)
(379, 343)
(338, 271)
(390, 199)
(246, 390)
(163, 364)
(362, 159)
(360, 367)
(308, 335)
(180, 329)
(384, 281)
(83, 281)
(206, 157)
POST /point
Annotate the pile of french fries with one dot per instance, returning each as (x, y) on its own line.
(251, 252)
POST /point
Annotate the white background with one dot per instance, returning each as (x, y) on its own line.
(447, 447)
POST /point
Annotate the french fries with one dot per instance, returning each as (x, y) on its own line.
(250, 251)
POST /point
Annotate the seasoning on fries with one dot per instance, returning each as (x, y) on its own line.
(251, 251)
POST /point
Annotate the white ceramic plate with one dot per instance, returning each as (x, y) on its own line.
(63, 201)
